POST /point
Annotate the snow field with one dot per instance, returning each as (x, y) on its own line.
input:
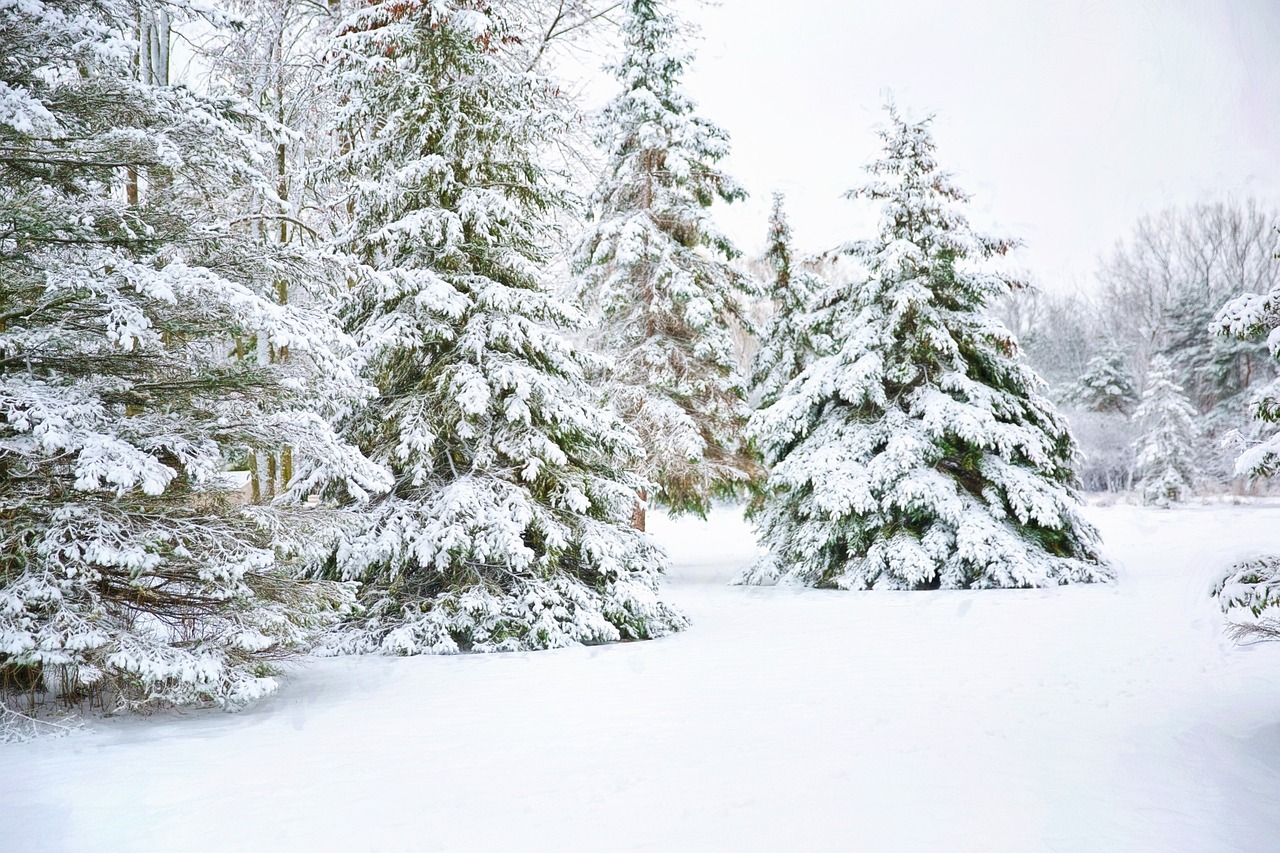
(1086, 718)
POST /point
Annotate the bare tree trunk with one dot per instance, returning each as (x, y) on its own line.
(255, 482)
(637, 514)
(286, 466)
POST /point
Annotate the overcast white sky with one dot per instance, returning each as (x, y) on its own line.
(1065, 119)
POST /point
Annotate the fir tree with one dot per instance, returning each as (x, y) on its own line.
(1166, 449)
(1256, 316)
(789, 340)
(508, 524)
(1249, 593)
(1106, 385)
(658, 274)
(126, 574)
(921, 453)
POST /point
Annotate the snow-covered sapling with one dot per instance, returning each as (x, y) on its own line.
(1165, 450)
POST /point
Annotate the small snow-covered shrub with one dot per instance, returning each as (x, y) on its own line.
(18, 726)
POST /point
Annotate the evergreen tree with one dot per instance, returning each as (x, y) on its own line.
(127, 576)
(1218, 373)
(508, 524)
(1166, 449)
(920, 454)
(658, 274)
(1105, 385)
(789, 340)
(1254, 316)
(1249, 593)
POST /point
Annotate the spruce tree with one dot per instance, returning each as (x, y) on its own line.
(658, 274)
(1106, 385)
(127, 575)
(789, 340)
(1165, 450)
(508, 527)
(1251, 317)
(921, 453)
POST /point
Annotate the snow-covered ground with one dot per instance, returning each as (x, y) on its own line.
(1080, 719)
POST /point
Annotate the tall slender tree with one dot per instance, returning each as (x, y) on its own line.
(126, 573)
(508, 524)
(921, 454)
(1165, 449)
(657, 274)
(789, 340)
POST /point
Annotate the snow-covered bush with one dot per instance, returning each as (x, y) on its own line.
(657, 274)
(127, 577)
(921, 453)
(509, 523)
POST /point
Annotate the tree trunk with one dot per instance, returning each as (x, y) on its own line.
(255, 483)
(637, 514)
(286, 466)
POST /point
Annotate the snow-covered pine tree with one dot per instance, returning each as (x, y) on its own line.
(1165, 449)
(921, 454)
(1250, 317)
(1249, 593)
(508, 527)
(789, 340)
(127, 577)
(1106, 385)
(657, 274)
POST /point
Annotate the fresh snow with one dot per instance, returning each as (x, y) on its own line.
(1112, 717)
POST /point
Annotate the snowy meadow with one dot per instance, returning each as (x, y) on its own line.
(1096, 717)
